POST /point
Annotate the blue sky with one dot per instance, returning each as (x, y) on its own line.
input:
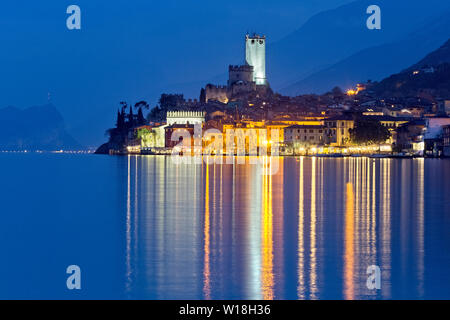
(128, 50)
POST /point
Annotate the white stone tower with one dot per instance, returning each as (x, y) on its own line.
(255, 55)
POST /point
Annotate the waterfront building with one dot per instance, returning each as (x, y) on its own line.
(409, 137)
(304, 135)
(338, 128)
(185, 117)
(434, 136)
(446, 140)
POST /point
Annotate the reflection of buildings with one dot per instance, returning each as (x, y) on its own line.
(226, 231)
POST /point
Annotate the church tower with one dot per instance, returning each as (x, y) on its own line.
(255, 56)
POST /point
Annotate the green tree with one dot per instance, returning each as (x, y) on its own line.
(369, 131)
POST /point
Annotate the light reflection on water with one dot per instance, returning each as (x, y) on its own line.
(308, 232)
(143, 227)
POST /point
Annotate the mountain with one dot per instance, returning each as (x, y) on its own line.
(430, 76)
(377, 62)
(334, 35)
(435, 58)
(34, 128)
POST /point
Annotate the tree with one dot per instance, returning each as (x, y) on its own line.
(140, 118)
(337, 92)
(202, 96)
(155, 114)
(131, 118)
(142, 104)
(120, 124)
(369, 131)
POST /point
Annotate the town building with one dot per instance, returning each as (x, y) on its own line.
(338, 128)
(304, 135)
(446, 140)
(409, 137)
(434, 136)
(185, 117)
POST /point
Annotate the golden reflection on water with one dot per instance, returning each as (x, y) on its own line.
(206, 233)
(301, 248)
(267, 278)
(312, 240)
(385, 200)
(420, 225)
(349, 256)
(245, 214)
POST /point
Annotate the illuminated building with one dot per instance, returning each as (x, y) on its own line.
(446, 140)
(185, 117)
(249, 77)
(338, 130)
(255, 56)
(301, 135)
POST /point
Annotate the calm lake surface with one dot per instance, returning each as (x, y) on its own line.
(142, 227)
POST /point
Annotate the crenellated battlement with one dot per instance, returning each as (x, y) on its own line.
(254, 37)
(218, 87)
(240, 68)
(185, 114)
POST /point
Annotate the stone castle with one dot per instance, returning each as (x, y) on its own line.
(250, 77)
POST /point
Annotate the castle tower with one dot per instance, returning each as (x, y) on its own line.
(255, 55)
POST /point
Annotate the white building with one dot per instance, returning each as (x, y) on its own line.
(185, 117)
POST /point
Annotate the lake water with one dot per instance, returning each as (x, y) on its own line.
(143, 227)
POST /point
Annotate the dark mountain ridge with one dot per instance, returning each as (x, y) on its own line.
(377, 62)
(34, 128)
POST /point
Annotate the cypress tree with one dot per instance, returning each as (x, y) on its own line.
(140, 117)
(202, 96)
(131, 118)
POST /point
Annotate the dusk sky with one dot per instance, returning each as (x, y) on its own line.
(128, 50)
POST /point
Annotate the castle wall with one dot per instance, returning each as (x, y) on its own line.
(240, 74)
(218, 93)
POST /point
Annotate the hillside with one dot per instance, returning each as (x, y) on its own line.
(334, 35)
(377, 62)
(435, 58)
(431, 75)
(34, 128)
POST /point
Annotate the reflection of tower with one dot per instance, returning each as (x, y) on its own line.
(255, 55)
